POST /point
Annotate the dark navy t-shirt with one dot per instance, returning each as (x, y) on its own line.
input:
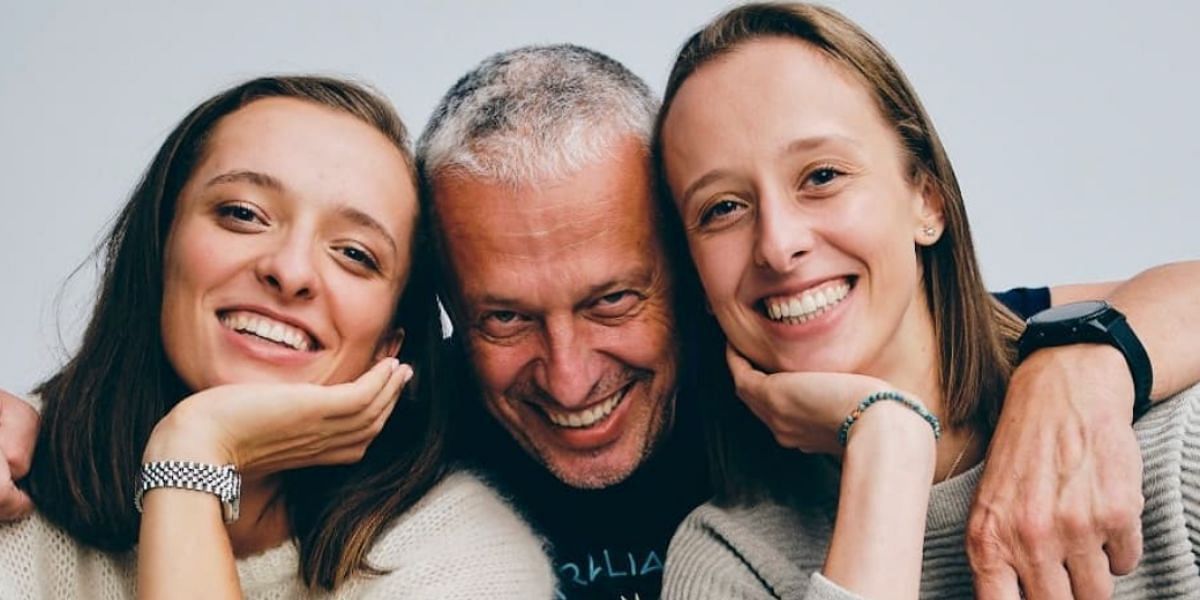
(1025, 301)
(611, 544)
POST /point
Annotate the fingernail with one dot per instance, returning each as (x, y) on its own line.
(407, 372)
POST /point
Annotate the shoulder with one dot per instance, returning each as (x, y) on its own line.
(764, 549)
(461, 540)
(36, 558)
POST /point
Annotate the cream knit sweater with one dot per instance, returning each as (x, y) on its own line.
(771, 550)
(460, 541)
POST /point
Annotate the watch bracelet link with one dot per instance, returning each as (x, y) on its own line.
(222, 481)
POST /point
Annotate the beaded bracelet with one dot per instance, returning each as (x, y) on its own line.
(844, 431)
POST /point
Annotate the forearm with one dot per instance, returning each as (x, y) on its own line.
(184, 549)
(1163, 307)
(879, 534)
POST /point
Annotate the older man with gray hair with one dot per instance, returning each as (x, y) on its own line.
(559, 290)
(536, 166)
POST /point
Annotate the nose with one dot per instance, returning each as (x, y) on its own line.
(783, 233)
(568, 371)
(288, 267)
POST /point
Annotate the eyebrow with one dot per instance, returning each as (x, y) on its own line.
(640, 279)
(359, 217)
(635, 279)
(704, 180)
(251, 177)
(810, 143)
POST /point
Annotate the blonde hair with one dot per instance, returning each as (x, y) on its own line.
(975, 334)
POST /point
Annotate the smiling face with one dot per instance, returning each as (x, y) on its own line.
(801, 212)
(288, 250)
(563, 295)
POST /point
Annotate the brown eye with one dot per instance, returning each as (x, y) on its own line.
(719, 209)
(503, 323)
(823, 176)
(238, 212)
(360, 256)
(615, 304)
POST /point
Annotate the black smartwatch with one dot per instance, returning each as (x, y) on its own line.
(1091, 322)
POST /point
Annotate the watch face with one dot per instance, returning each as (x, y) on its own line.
(1068, 312)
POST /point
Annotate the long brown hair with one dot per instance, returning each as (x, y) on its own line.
(975, 333)
(99, 409)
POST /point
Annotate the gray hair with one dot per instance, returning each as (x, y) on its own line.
(535, 113)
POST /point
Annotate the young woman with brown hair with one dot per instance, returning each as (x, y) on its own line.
(272, 253)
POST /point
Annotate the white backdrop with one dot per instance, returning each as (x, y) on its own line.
(1073, 127)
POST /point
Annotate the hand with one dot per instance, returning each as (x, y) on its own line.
(803, 410)
(1059, 506)
(18, 434)
(267, 428)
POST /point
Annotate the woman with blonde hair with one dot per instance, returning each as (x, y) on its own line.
(828, 234)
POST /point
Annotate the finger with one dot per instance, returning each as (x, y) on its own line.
(18, 433)
(390, 393)
(400, 378)
(997, 583)
(1124, 549)
(383, 401)
(14, 502)
(748, 379)
(1089, 576)
(353, 397)
(352, 446)
(1045, 581)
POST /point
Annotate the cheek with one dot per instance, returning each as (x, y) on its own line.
(193, 267)
(881, 234)
(362, 312)
(497, 366)
(647, 341)
(721, 262)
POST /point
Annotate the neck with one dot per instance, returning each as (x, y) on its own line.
(263, 522)
(912, 363)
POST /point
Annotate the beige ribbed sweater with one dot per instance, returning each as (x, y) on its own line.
(460, 541)
(774, 551)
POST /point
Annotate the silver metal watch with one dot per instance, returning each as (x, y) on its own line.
(222, 481)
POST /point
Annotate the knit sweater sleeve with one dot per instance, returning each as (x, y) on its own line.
(461, 541)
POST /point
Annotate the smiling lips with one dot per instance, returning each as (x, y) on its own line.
(586, 418)
(809, 304)
(251, 323)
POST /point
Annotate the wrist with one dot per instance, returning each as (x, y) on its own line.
(1087, 323)
(891, 433)
(182, 436)
(1087, 366)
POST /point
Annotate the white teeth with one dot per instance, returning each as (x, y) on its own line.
(585, 418)
(808, 304)
(266, 328)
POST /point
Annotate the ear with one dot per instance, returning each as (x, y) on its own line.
(389, 345)
(928, 213)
